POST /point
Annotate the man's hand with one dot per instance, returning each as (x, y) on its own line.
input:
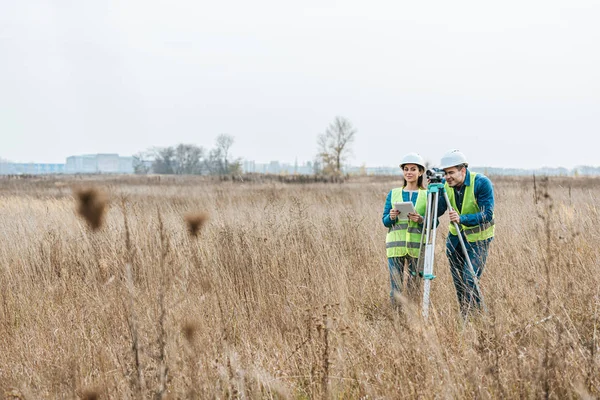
(415, 217)
(393, 214)
(454, 216)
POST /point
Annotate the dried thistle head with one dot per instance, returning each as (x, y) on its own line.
(205, 285)
(195, 222)
(90, 394)
(91, 206)
(189, 330)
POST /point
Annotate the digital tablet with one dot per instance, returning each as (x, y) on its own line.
(404, 208)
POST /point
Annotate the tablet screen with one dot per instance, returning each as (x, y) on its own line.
(404, 208)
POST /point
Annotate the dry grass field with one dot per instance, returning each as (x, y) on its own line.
(284, 293)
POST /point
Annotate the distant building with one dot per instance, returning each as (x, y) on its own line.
(276, 167)
(99, 164)
(126, 165)
(249, 166)
(84, 164)
(107, 163)
(3, 167)
(81, 164)
(9, 168)
(305, 169)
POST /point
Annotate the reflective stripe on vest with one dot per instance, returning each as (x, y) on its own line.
(479, 228)
(400, 225)
(404, 237)
(404, 225)
(410, 245)
(470, 206)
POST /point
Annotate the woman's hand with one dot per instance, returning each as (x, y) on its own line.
(414, 217)
(393, 214)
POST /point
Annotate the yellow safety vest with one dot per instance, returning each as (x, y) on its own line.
(469, 206)
(404, 237)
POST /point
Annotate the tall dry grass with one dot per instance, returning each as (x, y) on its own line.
(283, 292)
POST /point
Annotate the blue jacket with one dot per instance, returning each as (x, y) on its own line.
(387, 222)
(484, 194)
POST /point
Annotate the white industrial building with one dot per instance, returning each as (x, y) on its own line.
(10, 168)
(84, 164)
(99, 164)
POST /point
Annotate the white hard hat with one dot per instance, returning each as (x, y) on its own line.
(412, 158)
(452, 159)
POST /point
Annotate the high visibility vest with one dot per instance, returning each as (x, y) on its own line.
(404, 237)
(469, 206)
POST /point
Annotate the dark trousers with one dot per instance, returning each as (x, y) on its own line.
(396, 267)
(466, 292)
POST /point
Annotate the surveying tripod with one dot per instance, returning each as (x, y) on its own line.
(427, 251)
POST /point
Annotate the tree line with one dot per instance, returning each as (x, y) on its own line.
(334, 146)
(189, 159)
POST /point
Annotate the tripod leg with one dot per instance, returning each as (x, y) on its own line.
(424, 235)
(468, 259)
(427, 272)
(432, 202)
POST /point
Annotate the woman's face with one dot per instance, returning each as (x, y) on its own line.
(411, 173)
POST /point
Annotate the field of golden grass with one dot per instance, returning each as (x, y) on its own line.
(284, 293)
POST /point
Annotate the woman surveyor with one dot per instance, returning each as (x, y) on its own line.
(403, 239)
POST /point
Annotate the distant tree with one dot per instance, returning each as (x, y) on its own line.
(224, 143)
(316, 166)
(335, 145)
(213, 163)
(142, 162)
(218, 162)
(235, 167)
(164, 160)
(188, 159)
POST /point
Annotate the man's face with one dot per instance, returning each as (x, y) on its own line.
(455, 176)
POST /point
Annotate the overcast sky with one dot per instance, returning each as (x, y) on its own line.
(511, 83)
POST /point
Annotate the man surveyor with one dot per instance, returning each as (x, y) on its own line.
(471, 196)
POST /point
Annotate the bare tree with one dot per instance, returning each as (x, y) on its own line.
(334, 145)
(142, 162)
(213, 163)
(224, 143)
(164, 160)
(188, 159)
(217, 162)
